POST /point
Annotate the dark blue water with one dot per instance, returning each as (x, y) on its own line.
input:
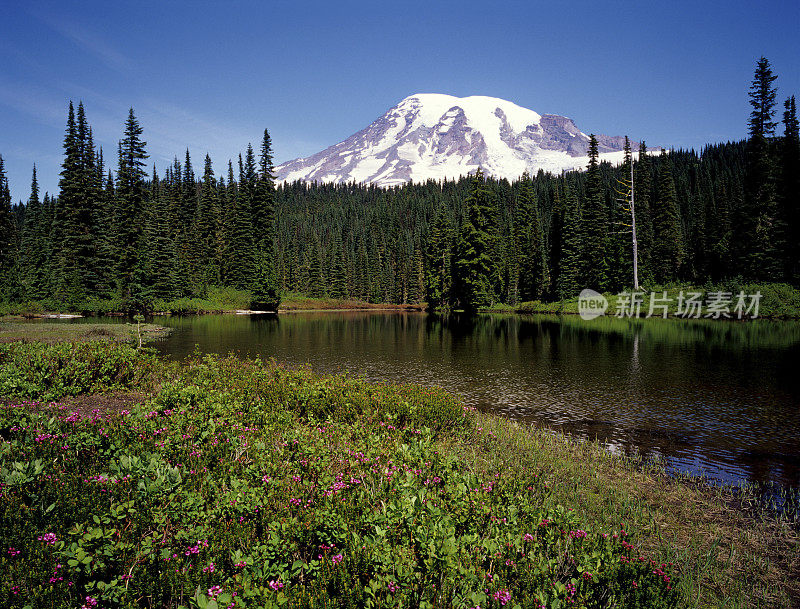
(719, 398)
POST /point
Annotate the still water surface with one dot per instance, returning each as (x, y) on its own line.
(713, 397)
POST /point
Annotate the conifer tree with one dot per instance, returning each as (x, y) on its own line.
(131, 198)
(790, 188)
(719, 233)
(338, 276)
(84, 237)
(65, 276)
(33, 247)
(556, 227)
(594, 219)
(416, 283)
(103, 230)
(571, 248)
(241, 254)
(162, 259)
(206, 229)
(530, 248)
(474, 266)
(438, 258)
(316, 273)
(266, 291)
(758, 222)
(8, 235)
(264, 197)
(188, 192)
(668, 248)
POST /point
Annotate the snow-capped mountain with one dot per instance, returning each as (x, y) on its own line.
(438, 136)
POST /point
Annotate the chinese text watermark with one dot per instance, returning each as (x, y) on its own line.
(687, 305)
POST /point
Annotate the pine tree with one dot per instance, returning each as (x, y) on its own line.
(206, 229)
(555, 234)
(66, 274)
(316, 274)
(438, 258)
(762, 100)
(33, 247)
(758, 222)
(85, 210)
(668, 249)
(103, 230)
(188, 192)
(594, 219)
(790, 188)
(416, 283)
(719, 233)
(571, 248)
(240, 254)
(338, 275)
(8, 236)
(264, 196)
(474, 266)
(131, 196)
(530, 250)
(162, 259)
(266, 291)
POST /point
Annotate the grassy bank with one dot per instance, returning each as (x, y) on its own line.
(298, 302)
(778, 301)
(240, 484)
(14, 329)
(216, 300)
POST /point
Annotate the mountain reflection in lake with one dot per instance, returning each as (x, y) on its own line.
(716, 397)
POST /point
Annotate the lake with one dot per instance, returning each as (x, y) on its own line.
(713, 397)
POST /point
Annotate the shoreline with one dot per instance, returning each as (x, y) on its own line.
(779, 302)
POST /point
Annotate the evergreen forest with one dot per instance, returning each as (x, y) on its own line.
(129, 234)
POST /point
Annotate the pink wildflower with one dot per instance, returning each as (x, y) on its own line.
(503, 596)
(49, 538)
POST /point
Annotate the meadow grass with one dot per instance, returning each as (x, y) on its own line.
(14, 329)
(298, 302)
(241, 483)
(778, 300)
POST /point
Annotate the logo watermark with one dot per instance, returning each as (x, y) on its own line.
(687, 305)
(591, 304)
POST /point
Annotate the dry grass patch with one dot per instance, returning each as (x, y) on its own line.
(729, 557)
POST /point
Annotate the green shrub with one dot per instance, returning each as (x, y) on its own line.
(206, 497)
(49, 372)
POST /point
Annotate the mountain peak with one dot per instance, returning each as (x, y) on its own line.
(477, 107)
(437, 136)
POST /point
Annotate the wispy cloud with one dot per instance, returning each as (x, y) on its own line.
(34, 101)
(168, 128)
(88, 41)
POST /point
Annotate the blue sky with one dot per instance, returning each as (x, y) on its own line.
(211, 76)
